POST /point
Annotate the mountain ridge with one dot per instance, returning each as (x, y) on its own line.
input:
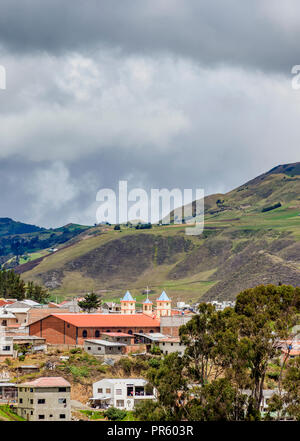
(241, 246)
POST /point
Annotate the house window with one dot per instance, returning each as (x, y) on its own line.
(100, 391)
(118, 391)
(41, 417)
(62, 416)
(107, 391)
(107, 330)
(171, 344)
(97, 334)
(119, 330)
(68, 325)
(62, 401)
(140, 331)
(130, 332)
(84, 333)
(31, 389)
(41, 401)
(21, 400)
(31, 413)
(6, 348)
(99, 348)
(89, 348)
(31, 401)
(120, 403)
(62, 389)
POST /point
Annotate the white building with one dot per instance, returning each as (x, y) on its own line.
(168, 345)
(122, 393)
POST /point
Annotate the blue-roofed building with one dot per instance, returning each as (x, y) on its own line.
(163, 305)
(163, 297)
(147, 306)
(127, 297)
(128, 304)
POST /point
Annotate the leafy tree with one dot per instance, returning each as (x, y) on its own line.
(266, 314)
(11, 285)
(171, 386)
(217, 401)
(37, 293)
(210, 338)
(90, 302)
(286, 403)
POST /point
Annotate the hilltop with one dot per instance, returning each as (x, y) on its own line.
(21, 242)
(251, 236)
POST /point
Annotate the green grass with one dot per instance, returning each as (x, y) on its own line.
(8, 414)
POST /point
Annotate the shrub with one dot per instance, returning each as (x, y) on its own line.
(154, 363)
(75, 351)
(114, 414)
(82, 371)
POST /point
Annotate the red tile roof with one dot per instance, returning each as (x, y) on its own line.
(36, 314)
(170, 340)
(47, 382)
(5, 302)
(117, 334)
(109, 320)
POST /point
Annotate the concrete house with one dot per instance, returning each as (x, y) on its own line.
(122, 393)
(104, 347)
(169, 345)
(8, 390)
(45, 399)
(118, 337)
(6, 346)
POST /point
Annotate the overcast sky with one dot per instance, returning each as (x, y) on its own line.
(162, 93)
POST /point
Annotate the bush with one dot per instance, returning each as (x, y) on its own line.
(154, 363)
(114, 414)
(75, 351)
(21, 357)
(155, 350)
(82, 371)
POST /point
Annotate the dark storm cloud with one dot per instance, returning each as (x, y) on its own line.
(174, 94)
(262, 34)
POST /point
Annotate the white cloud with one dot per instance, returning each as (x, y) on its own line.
(50, 188)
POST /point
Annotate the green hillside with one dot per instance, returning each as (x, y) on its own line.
(246, 241)
(20, 242)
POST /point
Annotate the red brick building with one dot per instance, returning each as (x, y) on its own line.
(74, 328)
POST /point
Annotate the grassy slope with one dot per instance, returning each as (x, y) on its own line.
(240, 247)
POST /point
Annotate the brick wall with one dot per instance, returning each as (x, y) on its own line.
(57, 331)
